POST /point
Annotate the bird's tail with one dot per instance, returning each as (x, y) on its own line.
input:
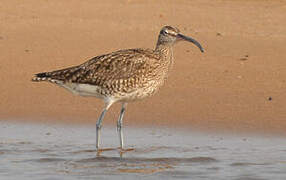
(45, 76)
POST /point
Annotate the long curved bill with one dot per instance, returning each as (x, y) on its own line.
(186, 38)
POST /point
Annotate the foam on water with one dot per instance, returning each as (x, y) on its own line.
(29, 151)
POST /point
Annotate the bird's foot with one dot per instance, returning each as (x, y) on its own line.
(99, 151)
(122, 150)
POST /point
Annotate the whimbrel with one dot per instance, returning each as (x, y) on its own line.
(121, 76)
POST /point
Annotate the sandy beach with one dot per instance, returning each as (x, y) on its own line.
(237, 85)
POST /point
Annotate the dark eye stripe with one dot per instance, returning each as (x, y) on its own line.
(163, 32)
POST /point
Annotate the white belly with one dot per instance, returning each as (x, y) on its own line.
(83, 89)
(96, 91)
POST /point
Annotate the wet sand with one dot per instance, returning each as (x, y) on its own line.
(45, 151)
(238, 84)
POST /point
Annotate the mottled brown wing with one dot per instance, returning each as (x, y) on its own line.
(120, 65)
(124, 65)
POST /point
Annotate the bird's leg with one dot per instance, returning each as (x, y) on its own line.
(98, 127)
(99, 122)
(119, 125)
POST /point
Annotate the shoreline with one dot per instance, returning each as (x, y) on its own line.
(237, 85)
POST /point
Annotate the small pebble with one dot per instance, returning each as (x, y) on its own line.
(244, 58)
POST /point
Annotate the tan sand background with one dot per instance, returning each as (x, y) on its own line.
(238, 84)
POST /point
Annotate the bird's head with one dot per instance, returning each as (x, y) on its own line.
(170, 35)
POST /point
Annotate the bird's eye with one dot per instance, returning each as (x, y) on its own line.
(164, 32)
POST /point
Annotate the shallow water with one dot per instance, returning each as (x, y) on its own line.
(30, 151)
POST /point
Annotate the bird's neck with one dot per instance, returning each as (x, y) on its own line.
(166, 53)
(165, 50)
